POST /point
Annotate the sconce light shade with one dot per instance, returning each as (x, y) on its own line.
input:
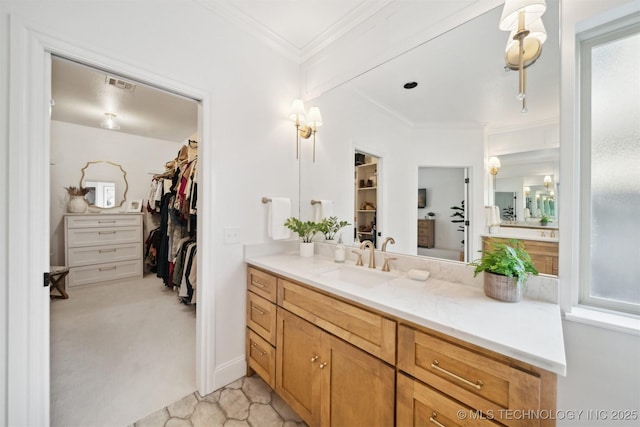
(315, 118)
(494, 165)
(547, 181)
(297, 113)
(527, 190)
(533, 10)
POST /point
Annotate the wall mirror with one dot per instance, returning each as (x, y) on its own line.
(107, 182)
(463, 96)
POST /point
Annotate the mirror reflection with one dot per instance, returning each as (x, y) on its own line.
(462, 110)
(107, 183)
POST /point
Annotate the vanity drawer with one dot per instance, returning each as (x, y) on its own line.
(263, 284)
(89, 221)
(261, 357)
(102, 236)
(85, 275)
(476, 379)
(364, 329)
(100, 254)
(261, 317)
(420, 405)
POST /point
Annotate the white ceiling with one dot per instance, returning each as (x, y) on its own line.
(459, 74)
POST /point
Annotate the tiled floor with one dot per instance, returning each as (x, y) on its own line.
(247, 402)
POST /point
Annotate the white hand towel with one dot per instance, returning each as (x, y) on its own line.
(278, 211)
(324, 209)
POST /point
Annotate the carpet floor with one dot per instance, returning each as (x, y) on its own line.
(119, 352)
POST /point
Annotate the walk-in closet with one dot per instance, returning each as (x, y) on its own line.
(123, 235)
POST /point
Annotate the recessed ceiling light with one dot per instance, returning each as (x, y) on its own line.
(410, 85)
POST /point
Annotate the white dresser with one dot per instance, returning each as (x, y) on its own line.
(103, 247)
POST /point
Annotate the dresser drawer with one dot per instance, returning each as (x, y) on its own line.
(77, 237)
(78, 256)
(263, 284)
(476, 379)
(88, 221)
(85, 275)
(261, 317)
(420, 405)
(369, 331)
(261, 357)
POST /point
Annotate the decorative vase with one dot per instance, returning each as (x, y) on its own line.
(77, 204)
(306, 249)
(502, 288)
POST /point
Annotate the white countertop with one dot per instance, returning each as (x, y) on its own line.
(530, 331)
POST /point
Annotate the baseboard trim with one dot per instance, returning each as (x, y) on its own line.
(229, 372)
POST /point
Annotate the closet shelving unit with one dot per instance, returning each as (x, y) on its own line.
(366, 199)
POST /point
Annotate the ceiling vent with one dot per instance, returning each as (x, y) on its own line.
(120, 84)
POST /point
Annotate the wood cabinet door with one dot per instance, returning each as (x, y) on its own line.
(357, 388)
(298, 360)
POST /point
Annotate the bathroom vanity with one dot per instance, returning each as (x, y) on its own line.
(347, 345)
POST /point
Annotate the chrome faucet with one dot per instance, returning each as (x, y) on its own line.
(387, 240)
(372, 257)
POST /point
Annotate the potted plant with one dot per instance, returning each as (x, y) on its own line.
(544, 220)
(330, 226)
(305, 230)
(77, 202)
(506, 267)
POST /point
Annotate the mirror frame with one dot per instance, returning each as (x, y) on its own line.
(124, 177)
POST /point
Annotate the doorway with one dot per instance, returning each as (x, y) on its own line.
(365, 218)
(94, 350)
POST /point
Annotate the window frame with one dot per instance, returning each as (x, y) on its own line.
(586, 41)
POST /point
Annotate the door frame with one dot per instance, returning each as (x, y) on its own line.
(30, 49)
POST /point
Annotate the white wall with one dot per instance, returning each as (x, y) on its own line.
(445, 188)
(249, 87)
(602, 365)
(72, 146)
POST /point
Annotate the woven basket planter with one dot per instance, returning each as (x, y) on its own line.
(502, 288)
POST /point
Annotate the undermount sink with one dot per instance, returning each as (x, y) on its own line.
(361, 276)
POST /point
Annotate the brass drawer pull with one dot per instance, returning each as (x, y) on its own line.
(258, 284)
(107, 222)
(323, 364)
(106, 232)
(432, 418)
(256, 308)
(477, 385)
(314, 358)
(106, 250)
(262, 353)
(107, 268)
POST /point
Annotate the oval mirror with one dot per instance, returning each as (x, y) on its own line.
(107, 183)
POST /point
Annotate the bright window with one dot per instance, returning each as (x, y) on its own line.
(610, 168)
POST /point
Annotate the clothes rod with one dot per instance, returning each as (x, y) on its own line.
(266, 200)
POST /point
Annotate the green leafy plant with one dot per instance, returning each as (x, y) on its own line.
(305, 229)
(544, 220)
(458, 217)
(330, 226)
(507, 259)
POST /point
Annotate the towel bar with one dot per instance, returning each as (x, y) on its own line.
(266, 200)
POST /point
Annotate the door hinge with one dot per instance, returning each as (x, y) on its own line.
(46, 282)
(466, 223)
(466, 180)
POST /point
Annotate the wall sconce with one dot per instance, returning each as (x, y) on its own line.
(527, 191)
(306, 125)
(494, 166)
(547, 182)
(522, 18)
(110, 122)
